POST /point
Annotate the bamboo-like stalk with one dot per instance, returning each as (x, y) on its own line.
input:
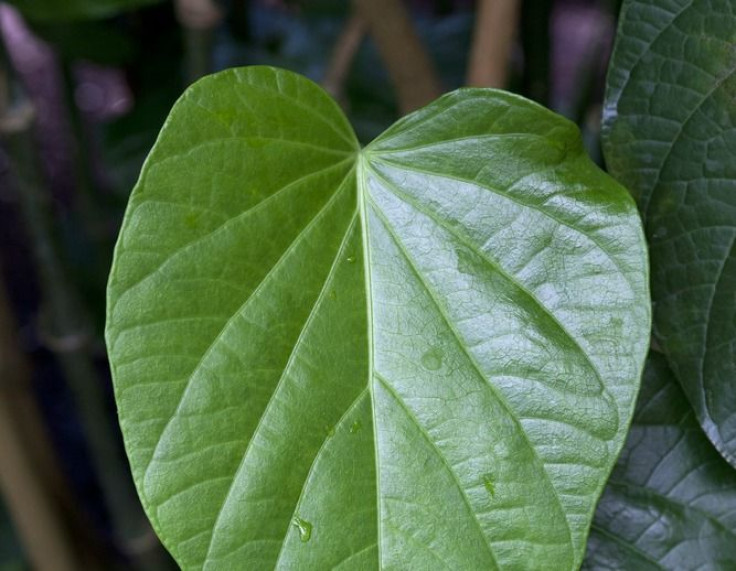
(198, 53)
(343, 54)
(36, 517)
(67, 333)
(493, 40)
(96, 239)
(198, 20)
(412, 71)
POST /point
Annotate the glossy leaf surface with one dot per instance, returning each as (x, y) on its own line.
(671, 500)
(64, 10)
(418, 355)
(670, 137)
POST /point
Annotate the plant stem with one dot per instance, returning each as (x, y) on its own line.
(39, 523)
(67, 331)
(198, 50)
(411, 70)
(493, 40)
(343, 54)
(198, 19)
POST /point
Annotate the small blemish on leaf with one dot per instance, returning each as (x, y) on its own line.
(432, 359)
(304, 527)
(488, 485)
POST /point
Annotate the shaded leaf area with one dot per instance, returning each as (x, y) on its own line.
(670, 136)
(65, 10)
(671, 500)
(11, 554)
(422, 354)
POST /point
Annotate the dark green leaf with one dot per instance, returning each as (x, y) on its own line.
(65, 10)
(418, 355)
(98, 41)
(671, 501)
(670, 136)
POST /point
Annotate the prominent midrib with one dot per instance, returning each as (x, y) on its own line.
(365, 240)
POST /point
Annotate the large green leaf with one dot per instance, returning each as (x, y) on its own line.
(670, 136)
(418, 355)
(671, 500)
(64, 10)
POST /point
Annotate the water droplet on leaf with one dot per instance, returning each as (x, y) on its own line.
(351, 259)
(432, 359)
(304, 527)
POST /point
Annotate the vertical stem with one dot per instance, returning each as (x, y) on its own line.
(37, 519)
(68, 333)
(198, 19)
(198, 50)
(493, 39)
(411, 70)
(81, 151)
(38, 525)
(343, 54)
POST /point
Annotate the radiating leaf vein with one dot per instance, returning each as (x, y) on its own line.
(498, 269)
(498, 396)
(315, 220)
(317, 304)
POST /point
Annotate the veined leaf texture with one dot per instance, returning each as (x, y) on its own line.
(422, 354)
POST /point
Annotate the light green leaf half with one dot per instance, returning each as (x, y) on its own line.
(670, 136)
(671, 501)
(419, 355)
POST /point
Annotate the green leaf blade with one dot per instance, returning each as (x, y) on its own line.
(350, 360)
(302, 213)
(671, 500)
(500, 233)
(668, 136)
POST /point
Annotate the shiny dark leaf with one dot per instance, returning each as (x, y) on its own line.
(671, 501)
(670, 137)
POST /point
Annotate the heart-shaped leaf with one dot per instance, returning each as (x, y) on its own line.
(418, 355)
(670, 136)
(671, 500)
(65, 10)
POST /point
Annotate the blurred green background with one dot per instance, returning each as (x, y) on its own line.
(85, 86)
